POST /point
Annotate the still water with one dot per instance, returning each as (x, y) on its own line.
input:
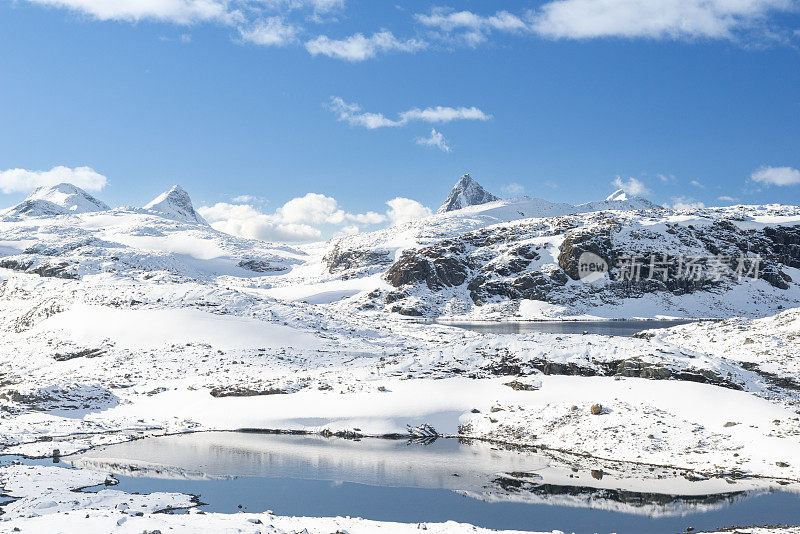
(606, 328)
(397, 480)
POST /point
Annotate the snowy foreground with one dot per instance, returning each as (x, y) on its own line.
(119, 324)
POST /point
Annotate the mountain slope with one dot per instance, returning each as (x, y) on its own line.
(466, 192)
(618, 200)
(60, 199)
(175, 204)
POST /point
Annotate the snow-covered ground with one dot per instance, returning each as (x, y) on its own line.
(116, 324)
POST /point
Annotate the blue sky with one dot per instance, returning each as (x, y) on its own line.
(252, 103)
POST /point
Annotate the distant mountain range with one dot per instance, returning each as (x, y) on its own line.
(478, 257)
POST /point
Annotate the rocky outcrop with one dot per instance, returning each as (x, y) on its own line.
(435, 268)
(56, 269)
(340, 259)
(512, 261)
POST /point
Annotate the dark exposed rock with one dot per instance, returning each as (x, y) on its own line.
(438, 267)
(339, 259)
(86, 353)
(61, 269)
(238, 391)
(259, 266)
(516, 385)
(409, 311)
(578, 241)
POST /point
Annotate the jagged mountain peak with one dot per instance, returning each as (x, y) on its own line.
(177, 204)
(466, 192)
(59, 199)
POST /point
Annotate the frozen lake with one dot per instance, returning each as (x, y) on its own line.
(398, 480)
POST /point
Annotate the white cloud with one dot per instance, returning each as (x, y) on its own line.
(451, 20)
(655, 19)
(23, 181)
(444, 114)
(319, 209)
(632, 186)
(273, 31)
(305, 218)
(513, 189)
(726, 198)
(353, 115)
(176, 11)
(780, 176)
(402, 210)
(248, 199)
(473, 29)
(434, 140)
(318, 6)
(697, 184)
(359, 48)
(245, 221)
(684, 203)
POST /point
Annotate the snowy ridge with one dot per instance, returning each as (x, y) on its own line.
(466, 192)
(175, 203)
(60, 199)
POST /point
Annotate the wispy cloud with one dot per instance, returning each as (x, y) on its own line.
(513, 189)
(273, 31)
(684, 203)
(359, 47)
(632, 186)
(470, 27)
(353, 115)
(780, 176)
(435, 140)
(23, 180)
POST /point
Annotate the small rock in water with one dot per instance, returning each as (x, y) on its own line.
(597, 409)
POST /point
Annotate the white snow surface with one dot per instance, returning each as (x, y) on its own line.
(175, 203)
(146, 322)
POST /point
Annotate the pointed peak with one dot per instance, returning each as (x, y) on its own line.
(58, 199)
(177, 204)
(466, 192)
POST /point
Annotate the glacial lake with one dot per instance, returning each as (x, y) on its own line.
(605, 328)
(406, 481)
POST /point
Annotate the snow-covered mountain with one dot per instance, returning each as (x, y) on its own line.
(242, 333)
(176, 204)
(466, 192)
(618, 200)
(60, 199)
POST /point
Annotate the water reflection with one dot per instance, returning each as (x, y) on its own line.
(484, 473)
